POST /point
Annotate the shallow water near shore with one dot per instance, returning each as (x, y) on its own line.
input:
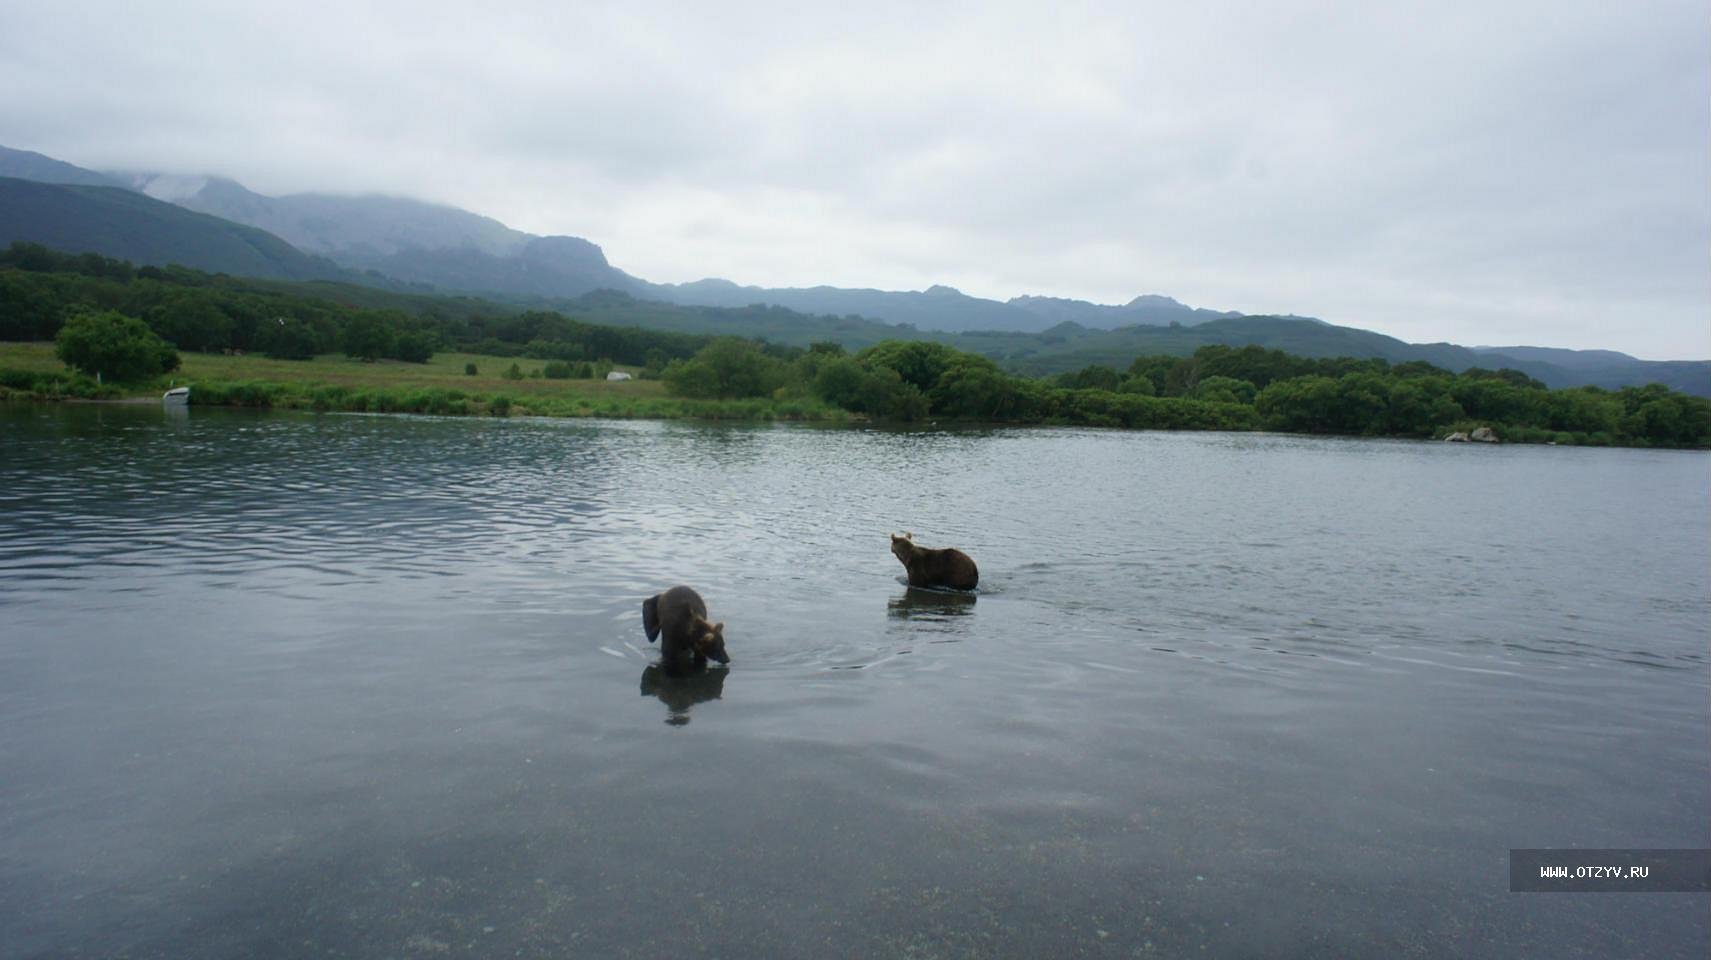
(294, 685)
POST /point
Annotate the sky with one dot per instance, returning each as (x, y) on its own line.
(1476, 172)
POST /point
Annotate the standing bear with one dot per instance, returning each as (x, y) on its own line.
(935, 568)
(690, 640)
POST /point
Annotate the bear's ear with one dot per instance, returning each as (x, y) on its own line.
(719, 631)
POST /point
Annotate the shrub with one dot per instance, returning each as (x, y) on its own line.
(414, 347)
(727, 367)
(367, 337)
(114, 346)
(286, 339)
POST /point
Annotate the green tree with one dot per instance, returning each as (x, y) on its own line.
(691, 378)
(192, 322)
(414, 346)
(1155, 369)
(918, 362)
(28, 308)
(1095, 376)
(1252, 363)
(1582, 410)
(1418, 406)
(908, 402)
(1221, 389)
(1417, 368)
(1659, 415)
(1300, 404)
(727, 367)
(839, 382)
(367, 336)
(285, 338)
(1363, 400)
(114, 346)
(1486, 396)
(1141, 385)
(973, 387)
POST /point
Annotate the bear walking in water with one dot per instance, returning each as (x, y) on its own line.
(935, 568)
(690, 640)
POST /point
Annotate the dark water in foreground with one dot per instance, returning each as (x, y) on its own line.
(377, 687)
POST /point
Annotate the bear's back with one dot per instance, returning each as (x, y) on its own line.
(674, 613)
(949, 567)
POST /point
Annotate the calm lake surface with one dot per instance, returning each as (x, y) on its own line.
(295, 685)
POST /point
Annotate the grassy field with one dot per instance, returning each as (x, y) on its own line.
(444, 372)
(440, 386)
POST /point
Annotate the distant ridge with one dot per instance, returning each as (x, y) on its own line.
(1611, 369)
(405, 239)
(944, 308)
(120, 223)
(1070, 346)
(29, 165)
(936, 308)
(1567, 359)
(1146, 309)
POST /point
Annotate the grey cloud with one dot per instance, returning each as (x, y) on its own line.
(1466, 171)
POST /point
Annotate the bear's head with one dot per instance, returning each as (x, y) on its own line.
(903, 547)
(709, 642)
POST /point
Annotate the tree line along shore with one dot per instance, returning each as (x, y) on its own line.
(89, 327)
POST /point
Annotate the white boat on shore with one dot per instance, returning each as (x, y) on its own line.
(176, 397)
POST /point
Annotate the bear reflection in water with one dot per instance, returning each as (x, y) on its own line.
(680, 691)
(931, 604)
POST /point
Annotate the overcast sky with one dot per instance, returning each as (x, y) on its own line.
(1486, 172)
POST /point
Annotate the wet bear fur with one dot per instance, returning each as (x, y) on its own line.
(690, 640)
(935, 568)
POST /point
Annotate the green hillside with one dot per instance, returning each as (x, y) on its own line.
(119, 223)
(759, 321)
(30, 165)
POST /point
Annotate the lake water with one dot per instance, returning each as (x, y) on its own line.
(282, 685)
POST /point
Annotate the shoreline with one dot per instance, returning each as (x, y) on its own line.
(728, 416)
(447, 385)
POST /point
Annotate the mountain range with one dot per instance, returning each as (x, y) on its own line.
(398, 243)
(454, 250)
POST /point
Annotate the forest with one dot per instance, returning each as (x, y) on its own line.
(1216, 388)
(142, 317)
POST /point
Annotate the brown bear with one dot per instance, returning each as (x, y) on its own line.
(935, 568)
(690, 640)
